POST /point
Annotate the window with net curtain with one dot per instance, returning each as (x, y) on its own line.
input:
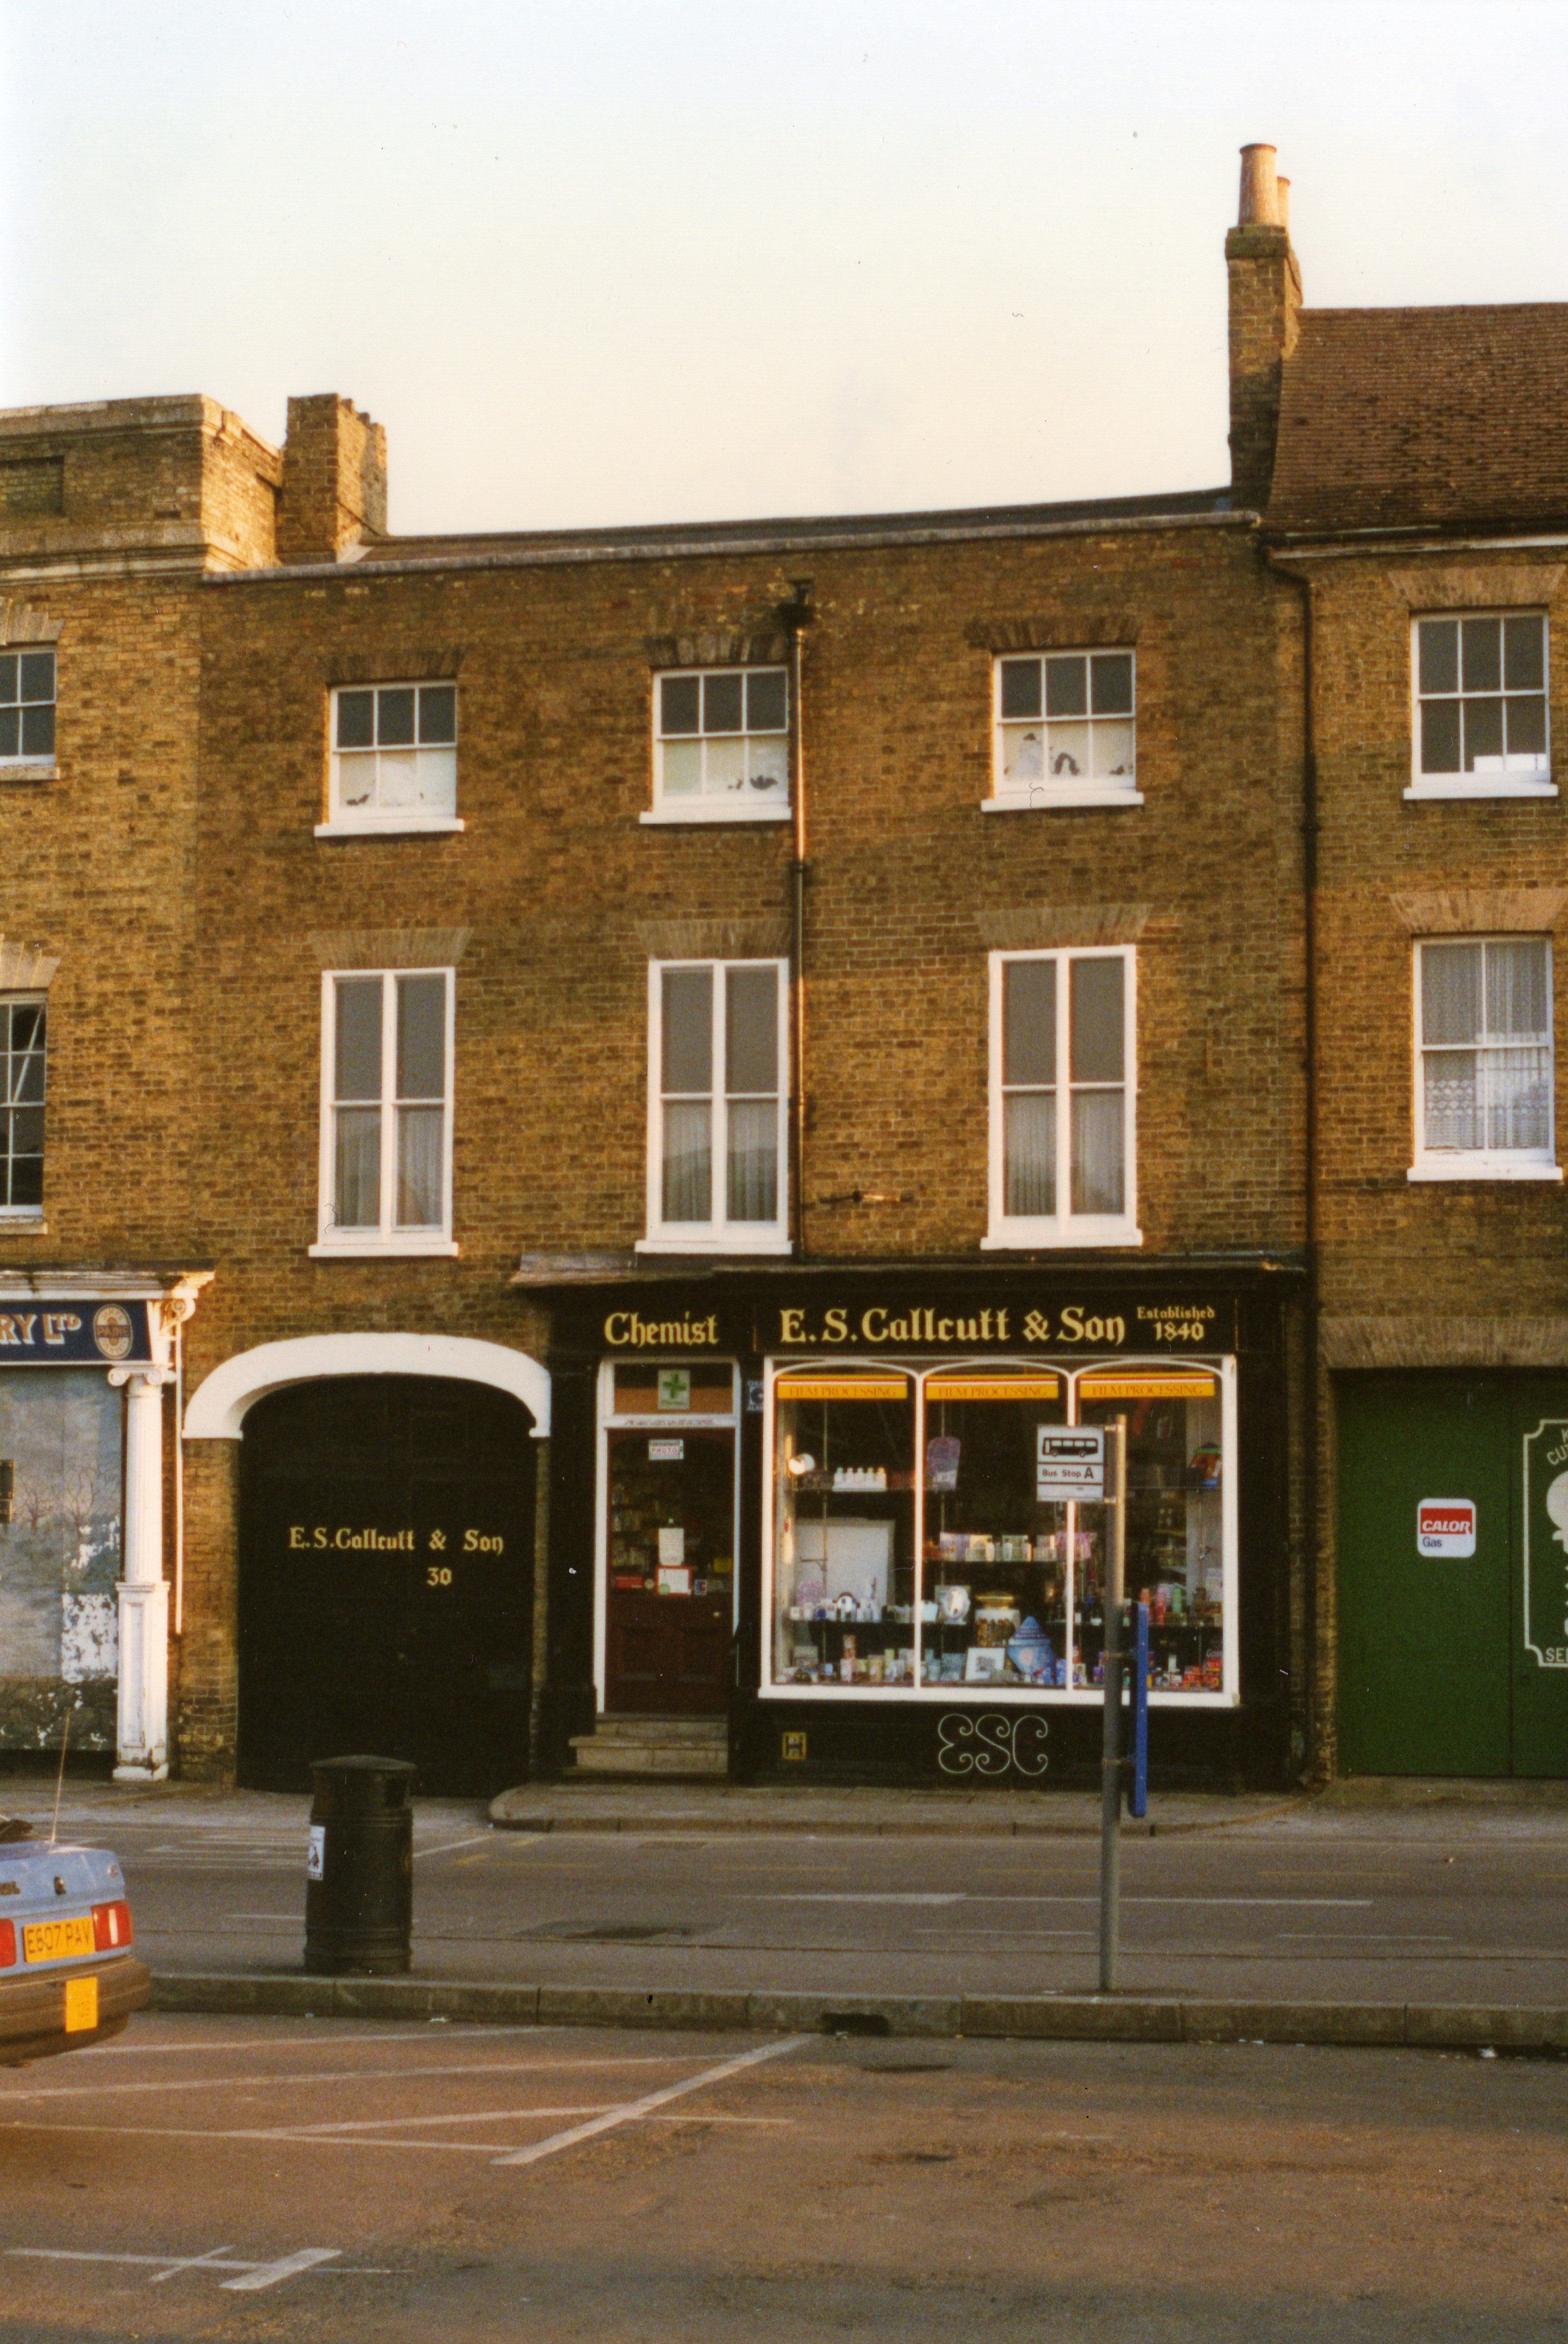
(390, 1083)
(719, 1142)
(1484, 1081)
(1061, 1121)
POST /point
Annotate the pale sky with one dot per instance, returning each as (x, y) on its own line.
(599, 261)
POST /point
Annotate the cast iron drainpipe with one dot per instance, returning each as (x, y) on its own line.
(1313, 1427)
(796, 616)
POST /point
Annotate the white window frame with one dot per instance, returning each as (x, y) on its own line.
(1534, 783)
(22, 760)
(720, 806)
(375, 820)
(719, 1234)
(1008, 796)
(1479, 1163)
(385, 1239)
(11, 1214)
(1064, 1228)
(1074, 1374)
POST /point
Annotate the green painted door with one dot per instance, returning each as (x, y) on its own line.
(1424, 1638)
(1453, 1575)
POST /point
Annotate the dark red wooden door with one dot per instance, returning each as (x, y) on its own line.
(670, 1561)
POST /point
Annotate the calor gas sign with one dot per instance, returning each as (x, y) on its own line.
(1445, 1526)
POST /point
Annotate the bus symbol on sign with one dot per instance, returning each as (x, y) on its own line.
(1445, 1526)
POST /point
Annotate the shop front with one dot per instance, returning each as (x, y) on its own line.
(85, 1612)
(820, 1506)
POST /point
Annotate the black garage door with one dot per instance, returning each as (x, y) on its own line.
(386, 1582)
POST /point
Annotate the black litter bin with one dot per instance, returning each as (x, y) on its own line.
(359, 1874)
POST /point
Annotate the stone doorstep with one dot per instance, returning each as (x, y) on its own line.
(658, 1729)
(1061, 2018)
(626, 1748)
(671, 1762)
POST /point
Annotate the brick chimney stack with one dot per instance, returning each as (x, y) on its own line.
(334, 479)
(1265, 299)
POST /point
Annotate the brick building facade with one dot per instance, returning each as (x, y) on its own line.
(615, 1085)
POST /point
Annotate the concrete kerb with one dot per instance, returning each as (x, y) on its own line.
(1069, 1816)
(1059, 2018)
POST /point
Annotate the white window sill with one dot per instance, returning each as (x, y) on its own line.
(368, 1246)
(1014, 1696)
(15, 1222)
(27, 769)
(716, 810)
(1046, 797)
(1034, 1236)
(1479, 785)
(400, 825)
(1483, 1168)
(719, 1241)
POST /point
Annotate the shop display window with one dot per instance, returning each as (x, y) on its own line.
(1175, 1541)
(844, 1505)
(953, 1571)
(994, 1601)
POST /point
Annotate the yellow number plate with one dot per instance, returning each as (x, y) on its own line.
(51, 1941)
(81, 2004)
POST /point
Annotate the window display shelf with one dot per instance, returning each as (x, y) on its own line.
(851, 1481)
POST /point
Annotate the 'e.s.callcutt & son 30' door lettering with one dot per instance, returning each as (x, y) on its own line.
(343, 1538)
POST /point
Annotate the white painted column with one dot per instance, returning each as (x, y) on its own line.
(143, 1730)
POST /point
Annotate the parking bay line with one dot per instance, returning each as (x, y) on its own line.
(253, 2276)
(345, 2041)
(212, 2259)
(362, 2076)
(636, 2109)
(298, 2137)
(339, 2130)
(475, 1839)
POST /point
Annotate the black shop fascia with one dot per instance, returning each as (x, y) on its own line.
(808, 1505)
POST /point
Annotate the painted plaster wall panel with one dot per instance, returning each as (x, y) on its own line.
(60, 1429)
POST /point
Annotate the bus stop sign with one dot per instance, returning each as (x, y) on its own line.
(1069, 1463)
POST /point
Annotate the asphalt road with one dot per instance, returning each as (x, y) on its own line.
(1443, 1908)
(221, 2178)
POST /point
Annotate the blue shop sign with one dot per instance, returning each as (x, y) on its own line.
(41, 1333)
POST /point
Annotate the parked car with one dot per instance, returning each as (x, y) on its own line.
(68, 1977)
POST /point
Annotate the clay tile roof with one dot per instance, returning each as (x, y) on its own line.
(1396, 419)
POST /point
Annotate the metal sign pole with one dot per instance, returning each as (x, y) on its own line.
(1138, 1790)
(1110, 1754)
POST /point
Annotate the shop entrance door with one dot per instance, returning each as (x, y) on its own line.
(386, 1582)
(670, 1599)
(1453, 1622)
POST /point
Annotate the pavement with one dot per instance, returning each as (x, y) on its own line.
(1430, 1915)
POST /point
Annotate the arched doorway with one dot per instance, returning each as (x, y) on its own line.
(386, 1580)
